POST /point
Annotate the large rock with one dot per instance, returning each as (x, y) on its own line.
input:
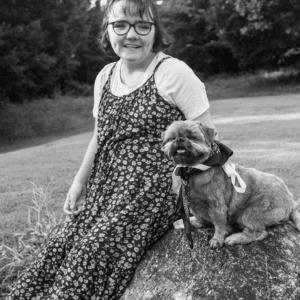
(268, 269)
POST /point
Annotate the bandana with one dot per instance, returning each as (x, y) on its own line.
(218, 157)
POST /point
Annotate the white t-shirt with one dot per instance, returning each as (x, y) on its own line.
(175, 81)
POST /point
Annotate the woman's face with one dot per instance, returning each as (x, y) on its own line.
(131, 47)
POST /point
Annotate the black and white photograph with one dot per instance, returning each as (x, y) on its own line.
(149, 150)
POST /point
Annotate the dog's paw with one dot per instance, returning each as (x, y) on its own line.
(216, 243)
(245, 237)
(233, 239)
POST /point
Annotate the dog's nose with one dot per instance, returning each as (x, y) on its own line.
(180, 139)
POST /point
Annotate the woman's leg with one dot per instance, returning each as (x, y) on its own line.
(104, 261)
(101, 262)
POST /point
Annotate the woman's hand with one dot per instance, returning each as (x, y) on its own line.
(75, 199)
(77, 191)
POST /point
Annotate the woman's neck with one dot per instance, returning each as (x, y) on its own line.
(128, 67)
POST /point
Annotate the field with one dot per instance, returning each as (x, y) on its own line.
(262, 131)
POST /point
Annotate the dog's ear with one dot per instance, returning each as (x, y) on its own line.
(209, 133)
(163, 138)
(163, 135)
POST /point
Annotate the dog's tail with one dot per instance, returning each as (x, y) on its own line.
(295, 218)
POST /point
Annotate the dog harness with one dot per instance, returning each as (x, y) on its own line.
(218, 157)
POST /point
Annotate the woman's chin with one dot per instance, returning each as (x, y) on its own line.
(131, 55)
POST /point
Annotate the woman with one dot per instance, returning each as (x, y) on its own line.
(128, 202)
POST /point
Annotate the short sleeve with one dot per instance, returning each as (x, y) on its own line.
(100, 81)
(178, 84)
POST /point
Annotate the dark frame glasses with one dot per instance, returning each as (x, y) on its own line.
(141, 27)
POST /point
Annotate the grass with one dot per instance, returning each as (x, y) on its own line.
(26, 245)
(270, 145)
(252, 85)
(43, 117)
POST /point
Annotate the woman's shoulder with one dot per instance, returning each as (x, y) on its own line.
(104, 73)
(174, 67)
(173, 60)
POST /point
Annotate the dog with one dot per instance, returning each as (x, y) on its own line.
(213, 198)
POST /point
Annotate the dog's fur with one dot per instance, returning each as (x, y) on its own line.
(267, 200)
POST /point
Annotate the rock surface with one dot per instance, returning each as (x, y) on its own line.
(264, 270)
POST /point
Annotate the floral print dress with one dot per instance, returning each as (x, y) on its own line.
(129, 204)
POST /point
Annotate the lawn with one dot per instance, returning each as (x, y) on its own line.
(262, 131)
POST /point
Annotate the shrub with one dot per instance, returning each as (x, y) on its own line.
(44, 116)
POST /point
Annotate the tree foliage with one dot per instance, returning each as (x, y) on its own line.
(196, 39)
(40, 42)
(262, 33)
(52, 45)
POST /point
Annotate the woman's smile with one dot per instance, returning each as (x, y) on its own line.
(131, 46)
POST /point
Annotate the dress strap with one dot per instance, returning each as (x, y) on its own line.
(107, 85)
(111, 70)
(159, 63)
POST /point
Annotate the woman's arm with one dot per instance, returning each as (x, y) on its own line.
(78, 187)
(178, 84)
(85, 168)
(206, 119)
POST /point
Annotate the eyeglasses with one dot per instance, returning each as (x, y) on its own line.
(123, 27)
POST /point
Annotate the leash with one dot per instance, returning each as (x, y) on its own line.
(184, 207)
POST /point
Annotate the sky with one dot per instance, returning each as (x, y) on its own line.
(103, 2)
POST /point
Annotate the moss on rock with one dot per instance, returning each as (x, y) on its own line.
(263, 270)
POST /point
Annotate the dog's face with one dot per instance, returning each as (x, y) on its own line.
(187, 142)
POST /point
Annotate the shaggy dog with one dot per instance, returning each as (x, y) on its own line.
(215, 198)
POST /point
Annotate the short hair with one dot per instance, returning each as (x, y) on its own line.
(141, 8)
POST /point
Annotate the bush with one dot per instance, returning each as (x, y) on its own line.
(212, 58)
(44, 116)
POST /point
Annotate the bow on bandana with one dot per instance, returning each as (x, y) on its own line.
(218, 157)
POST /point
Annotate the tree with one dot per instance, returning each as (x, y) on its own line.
(192, 24)
(38, 47)
(264, 34)
(92, 58)
(52, 45)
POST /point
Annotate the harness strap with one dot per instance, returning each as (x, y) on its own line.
(185, 212)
